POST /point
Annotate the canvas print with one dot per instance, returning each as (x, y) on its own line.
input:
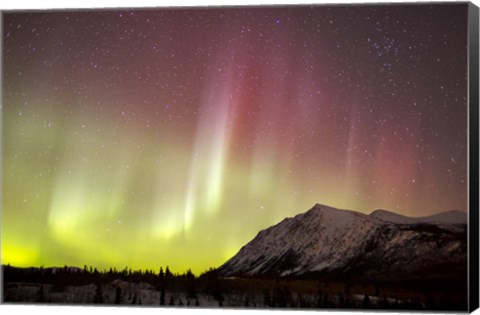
(248, 157)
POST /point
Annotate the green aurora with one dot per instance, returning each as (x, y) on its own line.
(146, 138)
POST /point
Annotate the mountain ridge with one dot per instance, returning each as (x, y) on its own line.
(446, 217)
(329, 241)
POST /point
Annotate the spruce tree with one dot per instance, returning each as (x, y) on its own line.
(98, 298)
(366, 303)
(162, 295)
(118, 296)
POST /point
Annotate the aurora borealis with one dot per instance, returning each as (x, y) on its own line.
(146, 138)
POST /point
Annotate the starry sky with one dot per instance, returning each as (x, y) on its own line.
(146, 138)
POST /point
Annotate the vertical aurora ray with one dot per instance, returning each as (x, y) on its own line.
(211, 145)
(155, 137)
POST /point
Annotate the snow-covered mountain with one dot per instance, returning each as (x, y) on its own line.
(329, 242)
(449, 217)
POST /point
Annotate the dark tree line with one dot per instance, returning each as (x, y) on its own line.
(183, 289)
(60, 277)
(164, 281)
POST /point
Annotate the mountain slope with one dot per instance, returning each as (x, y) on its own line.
(341, 243)
(449, 217)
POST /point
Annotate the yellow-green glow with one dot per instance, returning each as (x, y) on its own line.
(17, 254)
(153, 138)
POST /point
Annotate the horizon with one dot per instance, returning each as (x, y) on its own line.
(178, 273)
(143, 137)
(105, 269)
(197, 274)
(113, 268)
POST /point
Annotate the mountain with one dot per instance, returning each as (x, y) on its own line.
(449, 217)
(329, 242)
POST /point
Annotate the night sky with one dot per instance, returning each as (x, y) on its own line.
(171, 137)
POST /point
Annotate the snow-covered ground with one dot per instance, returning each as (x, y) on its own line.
(145, 294)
